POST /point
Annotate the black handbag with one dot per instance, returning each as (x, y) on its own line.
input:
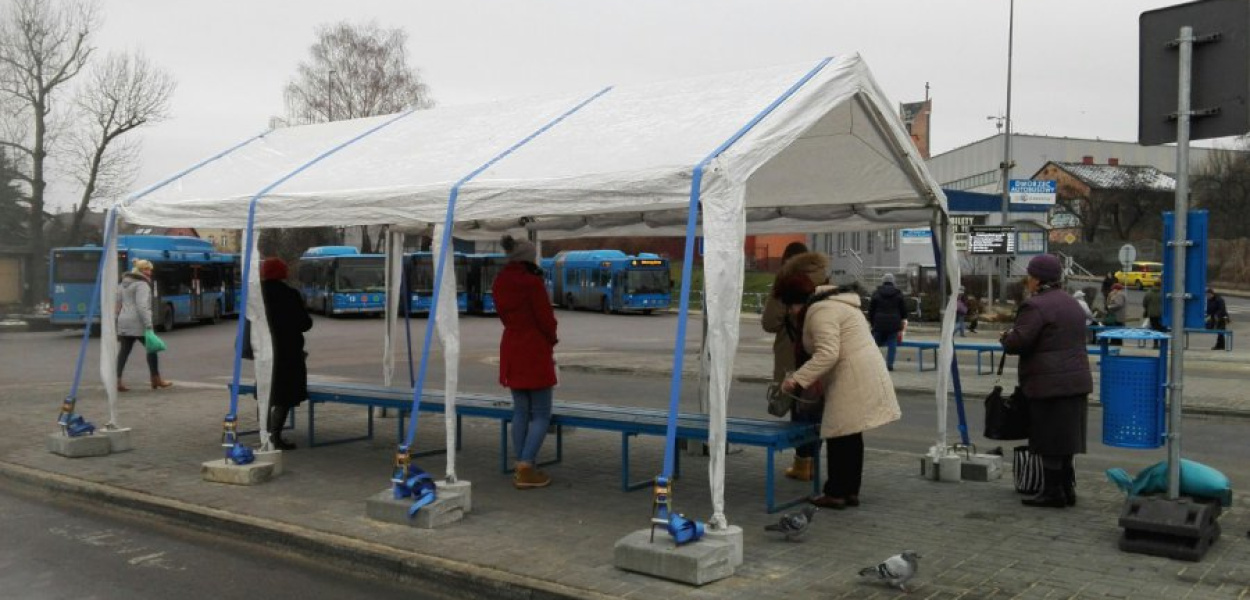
(1006, 418)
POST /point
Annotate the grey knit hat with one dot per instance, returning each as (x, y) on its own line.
(519, 250)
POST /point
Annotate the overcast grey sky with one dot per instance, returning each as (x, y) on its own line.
(1075, 65)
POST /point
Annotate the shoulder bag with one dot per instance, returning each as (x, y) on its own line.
(1006, 418)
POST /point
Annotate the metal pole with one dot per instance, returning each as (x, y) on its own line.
(1180, 242)
(1004, 270)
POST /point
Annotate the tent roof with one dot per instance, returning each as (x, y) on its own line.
(833, 155)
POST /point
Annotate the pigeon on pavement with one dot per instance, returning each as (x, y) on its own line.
(794, 525)
(896, 570)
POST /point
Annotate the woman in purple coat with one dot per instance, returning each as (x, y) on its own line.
(1049, 336)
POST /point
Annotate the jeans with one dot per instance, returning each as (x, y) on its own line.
(531, 415)
(889, 340)
(806, 416)
(123, 352)
(959, 325)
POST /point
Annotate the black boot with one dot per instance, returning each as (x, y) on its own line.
(1052, 495)
(1069, 482)
(277, 420)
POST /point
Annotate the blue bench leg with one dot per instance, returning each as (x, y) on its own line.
(312, 423)
(459, 431)
(503, 445)
(769, 481)
(312, 428)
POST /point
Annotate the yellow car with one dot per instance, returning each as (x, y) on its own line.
(1141, 275)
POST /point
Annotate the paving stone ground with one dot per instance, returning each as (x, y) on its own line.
(976, 539)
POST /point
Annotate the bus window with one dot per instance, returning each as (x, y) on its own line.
(605, 276)
(172, 280)
(75, 267)
(646, 282)
(361, 278)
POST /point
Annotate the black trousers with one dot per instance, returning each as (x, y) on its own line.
(845, 459)
(123, 352)
(278, 414)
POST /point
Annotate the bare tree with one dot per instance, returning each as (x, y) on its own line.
(123, 93)
(1222, 186)
(43, 45)
(355, 70)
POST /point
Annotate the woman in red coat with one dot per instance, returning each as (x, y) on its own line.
(526, 355)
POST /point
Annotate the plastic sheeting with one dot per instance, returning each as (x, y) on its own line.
(109, 305)
(832, 156)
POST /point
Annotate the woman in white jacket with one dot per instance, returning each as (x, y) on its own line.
(859, 394)
(134, 319)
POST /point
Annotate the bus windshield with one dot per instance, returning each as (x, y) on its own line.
(75, 267)
(361, 278)
(646, 282)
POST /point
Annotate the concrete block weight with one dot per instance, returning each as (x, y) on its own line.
(78, 447)
(222, 471)
(696, 563)
(445, 510)
(119, 439)
(273, 457)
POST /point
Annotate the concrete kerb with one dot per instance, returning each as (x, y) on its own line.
(447, 577)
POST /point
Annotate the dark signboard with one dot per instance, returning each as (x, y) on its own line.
(991, 240)
(1220, 87)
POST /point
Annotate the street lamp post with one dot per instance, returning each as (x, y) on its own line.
(1004, 264)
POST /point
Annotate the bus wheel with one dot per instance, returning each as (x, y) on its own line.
(568, 302)
(167, 320)
(604, 306)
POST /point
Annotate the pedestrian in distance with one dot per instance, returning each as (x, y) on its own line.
(1117, 310)
(1217, 316)
(134, 321)
(1079, 296)
(887, 312)
(858, 393)
(526, 356)
(961, 312)
(974, 313)
(776, 319)
(1049, 337)
(1152, 311)
(287, 320)
(1107, 282)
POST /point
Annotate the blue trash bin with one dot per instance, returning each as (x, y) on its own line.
(1131, 387)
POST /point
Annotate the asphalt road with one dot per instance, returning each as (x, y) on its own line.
(351, 349)
(59, 547)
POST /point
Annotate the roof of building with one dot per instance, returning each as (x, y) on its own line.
(1119, 177)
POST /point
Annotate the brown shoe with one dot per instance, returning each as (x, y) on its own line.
(121, 387)
(527, 477)
(158, 383)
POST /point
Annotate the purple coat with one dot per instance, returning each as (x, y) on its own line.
(1049, 336)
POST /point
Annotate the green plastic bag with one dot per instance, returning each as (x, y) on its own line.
(153, 343)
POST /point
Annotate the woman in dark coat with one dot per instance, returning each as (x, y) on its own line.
(284, 309)
(526, 355)
(1049, 337)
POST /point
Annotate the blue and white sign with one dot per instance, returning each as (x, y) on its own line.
(1030, 191)
(918, 235)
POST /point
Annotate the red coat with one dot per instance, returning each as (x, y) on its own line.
(526, 360)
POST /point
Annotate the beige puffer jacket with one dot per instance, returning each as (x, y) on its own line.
(859, 394)
(816, 266)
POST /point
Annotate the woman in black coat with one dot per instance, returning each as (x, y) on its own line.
(284, 309)
(1049, 337)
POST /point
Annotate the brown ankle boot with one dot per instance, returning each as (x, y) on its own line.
(121, 387)
(527, 477)
(158, 383)
(801, 469)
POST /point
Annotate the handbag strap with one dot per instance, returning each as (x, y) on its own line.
(1002, 360)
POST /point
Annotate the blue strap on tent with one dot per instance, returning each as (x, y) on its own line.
(959, 388)
(67, 405)
(692, 219)
(77, 426)
(444, 246)
(418, 485)
(685, 530)
(407, 300)
(249, 249)
(240, 455)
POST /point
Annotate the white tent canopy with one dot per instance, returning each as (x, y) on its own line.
(829, 155)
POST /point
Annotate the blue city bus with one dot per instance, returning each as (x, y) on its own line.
(419, 267)
(608, 281)
(483, 268)
(339, 280)
(192, 280)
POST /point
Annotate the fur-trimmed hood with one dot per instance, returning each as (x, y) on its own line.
(813, 264)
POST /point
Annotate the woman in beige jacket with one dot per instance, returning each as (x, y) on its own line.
(776, 319)
(859, 394)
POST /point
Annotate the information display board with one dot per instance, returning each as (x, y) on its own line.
(991, 240)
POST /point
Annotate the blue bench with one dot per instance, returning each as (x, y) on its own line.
(981, 348)
(1228, 345)
(772, 435)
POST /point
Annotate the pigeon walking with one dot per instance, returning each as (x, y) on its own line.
(896, 570)
(794, 525)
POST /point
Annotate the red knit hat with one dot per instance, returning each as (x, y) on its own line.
(273, 268)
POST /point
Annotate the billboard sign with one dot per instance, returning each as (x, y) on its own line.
(917, 235)
(1029, 191)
